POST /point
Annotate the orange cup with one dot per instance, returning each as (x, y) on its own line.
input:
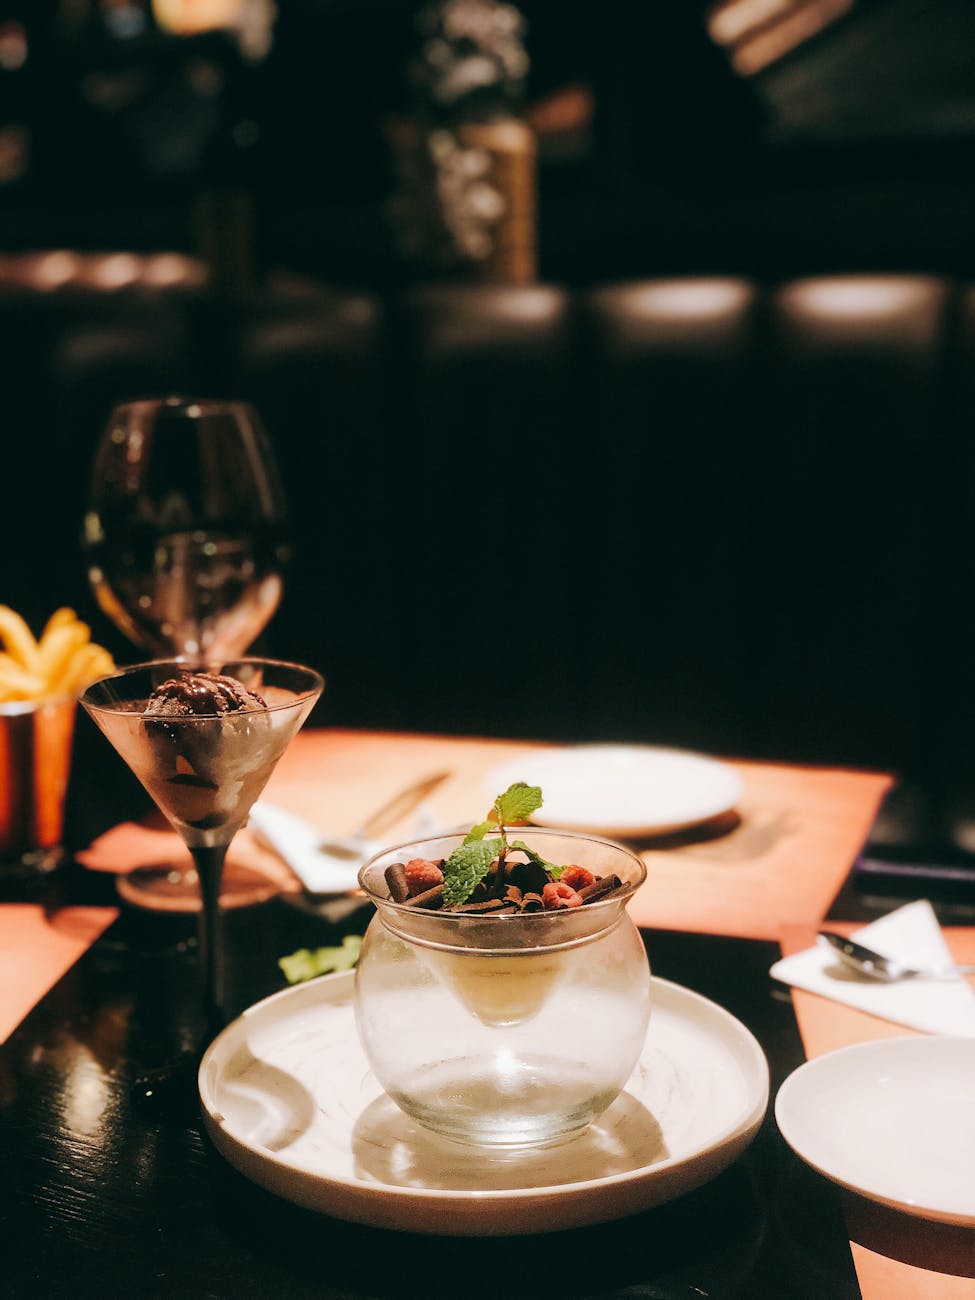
(35, 762)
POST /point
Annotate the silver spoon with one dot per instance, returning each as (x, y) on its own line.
(876, 966)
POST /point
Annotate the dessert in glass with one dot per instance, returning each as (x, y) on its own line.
(204, 740)
(512, 1019)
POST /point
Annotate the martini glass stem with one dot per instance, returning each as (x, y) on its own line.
(209, 867)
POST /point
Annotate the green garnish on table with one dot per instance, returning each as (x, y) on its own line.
(306, 963)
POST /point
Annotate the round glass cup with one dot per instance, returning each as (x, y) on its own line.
(504, 1030)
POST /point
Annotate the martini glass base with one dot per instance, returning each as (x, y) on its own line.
(176, 888)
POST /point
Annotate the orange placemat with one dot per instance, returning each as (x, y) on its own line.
(35, 951)
(780, 861)
(897, 1257)
(334, 779)
(783, 862)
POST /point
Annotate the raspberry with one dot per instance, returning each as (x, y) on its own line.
(556, 895)
(577, 877)
(422, 874)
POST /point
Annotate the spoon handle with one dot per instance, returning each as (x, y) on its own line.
(882, 967)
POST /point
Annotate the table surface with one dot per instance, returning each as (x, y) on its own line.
(105, 1193)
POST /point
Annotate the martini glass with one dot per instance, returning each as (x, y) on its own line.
(205, 771)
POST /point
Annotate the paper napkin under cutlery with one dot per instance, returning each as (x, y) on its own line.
(912, 935)
(304, 848)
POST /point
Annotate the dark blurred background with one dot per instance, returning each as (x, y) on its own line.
(751, 136)
(675, 449)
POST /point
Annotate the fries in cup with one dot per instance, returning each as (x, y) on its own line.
(62, 661)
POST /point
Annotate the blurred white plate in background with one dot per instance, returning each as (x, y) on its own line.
(622, 789)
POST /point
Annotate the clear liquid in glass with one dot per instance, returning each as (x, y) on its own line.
(199, 592)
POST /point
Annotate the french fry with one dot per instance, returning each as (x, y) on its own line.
(90, 662)
(62, 617)
(62, 662)
(18, 638)
(16, 683)
(57, 648)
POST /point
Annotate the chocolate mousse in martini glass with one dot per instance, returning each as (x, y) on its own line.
(204, 741)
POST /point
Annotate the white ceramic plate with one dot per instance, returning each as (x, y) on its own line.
(893, 1120)
(622, 789)
(289, 1100)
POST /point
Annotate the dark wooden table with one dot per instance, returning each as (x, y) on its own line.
(103, 1193)
(106, 1194)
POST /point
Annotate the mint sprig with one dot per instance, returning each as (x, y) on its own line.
(517, 803)
(479, 831)
(537, 858)
(467, 866)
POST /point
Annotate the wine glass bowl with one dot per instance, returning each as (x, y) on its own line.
(204, 770)
(184, 531)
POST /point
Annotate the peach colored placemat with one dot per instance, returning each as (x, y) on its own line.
(780, 860)
(897, 1257)
(783, 862)
(35, 951)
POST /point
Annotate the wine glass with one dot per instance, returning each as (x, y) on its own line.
(185, 527)
(184, 537)
(204, 770)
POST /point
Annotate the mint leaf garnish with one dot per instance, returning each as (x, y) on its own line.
(466, 868)
(517, 803)
(537, 858)
(479, 831)
(306, 963)
(468, 865)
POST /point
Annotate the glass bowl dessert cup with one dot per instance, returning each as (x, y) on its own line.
(203, 740)
(504, 1029)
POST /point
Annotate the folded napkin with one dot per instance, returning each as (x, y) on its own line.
(299, 844)
(913, 936)
(323, 867)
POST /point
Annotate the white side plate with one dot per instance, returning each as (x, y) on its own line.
(893, 1120)
(289, 1100)
(622, 789)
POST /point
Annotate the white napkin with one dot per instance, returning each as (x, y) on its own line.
(304, 848)
(913, 936)
(298, 843)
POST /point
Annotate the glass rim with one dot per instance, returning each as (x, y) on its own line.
(16, 708)
(189, 664)
(622, 895)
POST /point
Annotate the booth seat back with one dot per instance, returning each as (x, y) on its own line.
(708, 513)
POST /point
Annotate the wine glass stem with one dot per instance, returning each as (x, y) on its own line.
(209, 868)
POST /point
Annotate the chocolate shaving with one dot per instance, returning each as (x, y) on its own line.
(399, 890)
(532, 902)
(599, 888)
(429, 898)
(486, 905)
(513, 894)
